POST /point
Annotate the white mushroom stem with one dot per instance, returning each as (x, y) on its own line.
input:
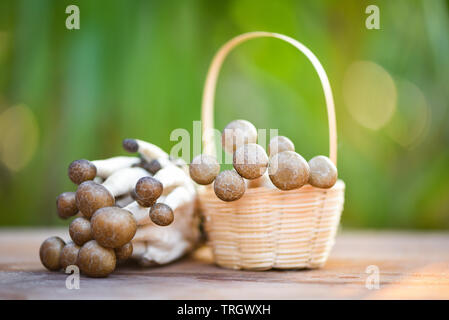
(150, 151)
(98, 180)
(124, 180)
(107, 167)
(179, 197)
(172, 177)
(124, 200)
(139, 249)
(141, 214)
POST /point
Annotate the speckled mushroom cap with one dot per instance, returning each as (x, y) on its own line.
(288, 170)
(124, 252)
(280, 144)
(153, 166)
(66, 205)
(91, 196)
(50, 253)
(323, 172)
(250, 161)
(204, 169)
(147, 191)
(237, 133)
(229, 185)
(161, 214)
(113, 227)
(69, 255)
(95, 260)
(81, 170)
(130, 145)
(80, 231)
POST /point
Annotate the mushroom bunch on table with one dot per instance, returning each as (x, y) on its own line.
(140, 207)
(281, 168)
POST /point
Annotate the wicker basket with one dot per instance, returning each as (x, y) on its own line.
(268, 228)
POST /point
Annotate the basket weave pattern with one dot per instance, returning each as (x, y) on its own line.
(269, 228)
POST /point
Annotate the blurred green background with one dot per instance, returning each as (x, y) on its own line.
(136, 69)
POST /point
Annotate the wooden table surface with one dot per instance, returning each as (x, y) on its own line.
(411, 265)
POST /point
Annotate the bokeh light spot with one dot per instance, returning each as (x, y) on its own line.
(412, 118)
(19, 134)
(370, 94)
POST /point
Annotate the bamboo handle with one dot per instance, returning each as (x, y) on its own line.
(207, 113)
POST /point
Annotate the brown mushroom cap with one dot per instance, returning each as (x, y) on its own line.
(147, 191)
(153, 166)
(204, 169)
(96, 261)
(323, 172)
(124, 252)
(161, 214)
(288, 170)
(50, 253)
(280, 144)
(229, 185)
(82, 170)
(113, 227)
(80, 231)
(69, 254)
(66, 205)
(130, 145)
(91, 196)
(237, 133)
(250, 161)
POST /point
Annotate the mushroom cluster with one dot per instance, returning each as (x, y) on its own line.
(282, 168)
(114, 198)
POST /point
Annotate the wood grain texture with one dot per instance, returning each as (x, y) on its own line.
(412, 266)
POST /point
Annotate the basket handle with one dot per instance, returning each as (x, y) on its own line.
(207, 113)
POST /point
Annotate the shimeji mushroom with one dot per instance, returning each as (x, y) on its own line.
(172, 177)
(141, 214)
(84, 170)
(66, 205)
(280, 144)
(80, 231)
(113, 227)
(124, 252)
(95, 260)
(288, 170)
(155, 157)
(237, 133)
(91, 196)
(50, 253)
(147, 191)
(204, 169)
(162, 213)
(107, 167)
(152, 167)
(229, 185)
(69, 255)
(148, 150)
(323, 172)
(250, 161)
